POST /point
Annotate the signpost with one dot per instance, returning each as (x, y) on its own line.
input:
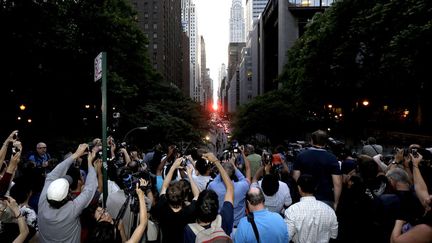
(100, 71)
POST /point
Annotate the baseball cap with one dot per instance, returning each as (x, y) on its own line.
(59, 189)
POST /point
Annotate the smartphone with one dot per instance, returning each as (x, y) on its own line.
(15, 150)
(15, 136)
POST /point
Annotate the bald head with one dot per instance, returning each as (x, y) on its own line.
(255, 196)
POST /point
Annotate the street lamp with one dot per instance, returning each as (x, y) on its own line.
(133, 129)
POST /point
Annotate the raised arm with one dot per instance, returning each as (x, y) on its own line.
(98, 169)
(5, 145)
(229, 195)
(194, 187)
(168, 177)
(420, 186)
(61, 169)
(143, 220)
(22, 225)
(90, 186)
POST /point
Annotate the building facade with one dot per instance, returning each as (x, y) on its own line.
(189, 22)
(161, 23)
(254, 9)
(237, 22)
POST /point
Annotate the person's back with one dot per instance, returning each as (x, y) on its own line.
(254, 158)
(270, 226)
(310, 220)
(240, 189)
(371, 148)
(323, 166)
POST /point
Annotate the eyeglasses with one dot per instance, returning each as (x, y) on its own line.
(41, 147)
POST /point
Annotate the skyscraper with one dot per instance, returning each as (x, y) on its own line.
(253, 10)
(161, 23)
(190, 25)
(237, 23)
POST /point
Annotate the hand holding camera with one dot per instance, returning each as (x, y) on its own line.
(210, 157)
(141, 186)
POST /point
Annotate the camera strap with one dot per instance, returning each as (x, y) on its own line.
(122, 211)
(250, 219)
(372, 145)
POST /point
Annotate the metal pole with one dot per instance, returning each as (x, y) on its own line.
(104, 127)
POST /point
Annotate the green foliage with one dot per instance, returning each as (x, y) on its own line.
(364, 49)
(276, 115)
(50, 46)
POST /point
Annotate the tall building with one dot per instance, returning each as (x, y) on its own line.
(222, 76)
(233, 79)
(189, 22)
(206, 86)
(161, 23)
(254, 9)
(237, 22)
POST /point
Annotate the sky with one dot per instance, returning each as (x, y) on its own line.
(213, 25)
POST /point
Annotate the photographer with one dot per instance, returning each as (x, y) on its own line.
(10, 214)
(8, 176)
(59, 215)
(170, 210)
(422, 231)
(125, 199)
(241, 186)
(276, 193)
(207, 206)
(105, 229)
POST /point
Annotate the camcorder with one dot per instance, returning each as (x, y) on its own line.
(131, 179)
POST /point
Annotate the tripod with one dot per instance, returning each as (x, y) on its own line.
(132, 202)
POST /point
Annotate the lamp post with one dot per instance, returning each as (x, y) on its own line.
(133, 129)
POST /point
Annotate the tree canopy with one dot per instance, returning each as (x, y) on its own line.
(48, 49)
(354, 51)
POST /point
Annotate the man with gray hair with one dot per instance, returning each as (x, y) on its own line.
(400, 203)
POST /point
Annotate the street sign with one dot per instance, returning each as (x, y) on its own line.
(98, 67)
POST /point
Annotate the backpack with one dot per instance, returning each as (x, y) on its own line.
(214, 234)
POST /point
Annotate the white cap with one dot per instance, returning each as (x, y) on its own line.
(58, 190)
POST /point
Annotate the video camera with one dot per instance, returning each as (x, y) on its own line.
(131, 179)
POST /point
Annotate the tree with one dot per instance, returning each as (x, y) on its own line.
(364, 49)
(51, 45)
(276, 114)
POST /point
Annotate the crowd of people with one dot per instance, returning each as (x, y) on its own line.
(316, 192)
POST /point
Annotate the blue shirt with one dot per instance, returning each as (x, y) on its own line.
(271, 228)
(240, 189)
